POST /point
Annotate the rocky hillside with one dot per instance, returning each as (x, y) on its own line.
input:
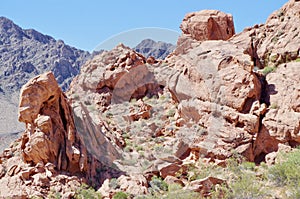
(158, 50)
(25, 54)
(219, 117)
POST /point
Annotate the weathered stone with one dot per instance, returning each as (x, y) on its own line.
(135, 184)
(51, 137)
(27, 173)
(173, 180)
(204, 186)
(41, 180)
(208, 25)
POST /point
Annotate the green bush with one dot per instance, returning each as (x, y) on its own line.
(120, 195)
(241, 180)
(175, 191)
(181, 194)
(157, 184)
(268, 69)
(274, 106)
(248, 166)
(202, 171)
(54, 195)
(113, 183)
(87, 192)
(287, 172)
(35, 197)
(245, 186)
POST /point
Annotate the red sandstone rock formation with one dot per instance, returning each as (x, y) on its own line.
(222, 103)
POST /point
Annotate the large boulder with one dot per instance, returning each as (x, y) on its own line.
(50, 135)
(208, 25)
(202, 26)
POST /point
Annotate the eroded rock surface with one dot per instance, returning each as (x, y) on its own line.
(213, 98)
(208, 25)
(51, 148)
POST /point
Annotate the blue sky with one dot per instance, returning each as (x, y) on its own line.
(86, 24)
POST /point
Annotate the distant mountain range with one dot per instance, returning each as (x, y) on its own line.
(25, 53)
(159, 50)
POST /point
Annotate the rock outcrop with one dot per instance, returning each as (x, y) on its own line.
(281, 123)
(202, 26)
(256, 108)
(274, 42)
(222, 91)
(149, 122)
(208, 25)
(273, 48)
(51, 145)
(50, 131)
(115, 76)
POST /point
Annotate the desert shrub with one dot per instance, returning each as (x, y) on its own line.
(120, 195)
(76, 97)
(203, 170)
(268, 69)
(87, 192)
(54, 195)
(243, 187)
(194, 173)
(275, 39)
(174, 187)
(286, 172)
(181, 194)
(248, 166)
(242, 182)
(157, 184)
(294, 192)
(274, 106)
(113, 183)
(171, 112)
(139, 148)
(175, 191)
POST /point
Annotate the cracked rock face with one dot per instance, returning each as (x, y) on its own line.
(276, 41)
(51, 136)
(281, 123)
(241, 109)
(275, 45)
(222, 91)
(208, 25)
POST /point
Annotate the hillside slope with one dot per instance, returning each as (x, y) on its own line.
(23, 55)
